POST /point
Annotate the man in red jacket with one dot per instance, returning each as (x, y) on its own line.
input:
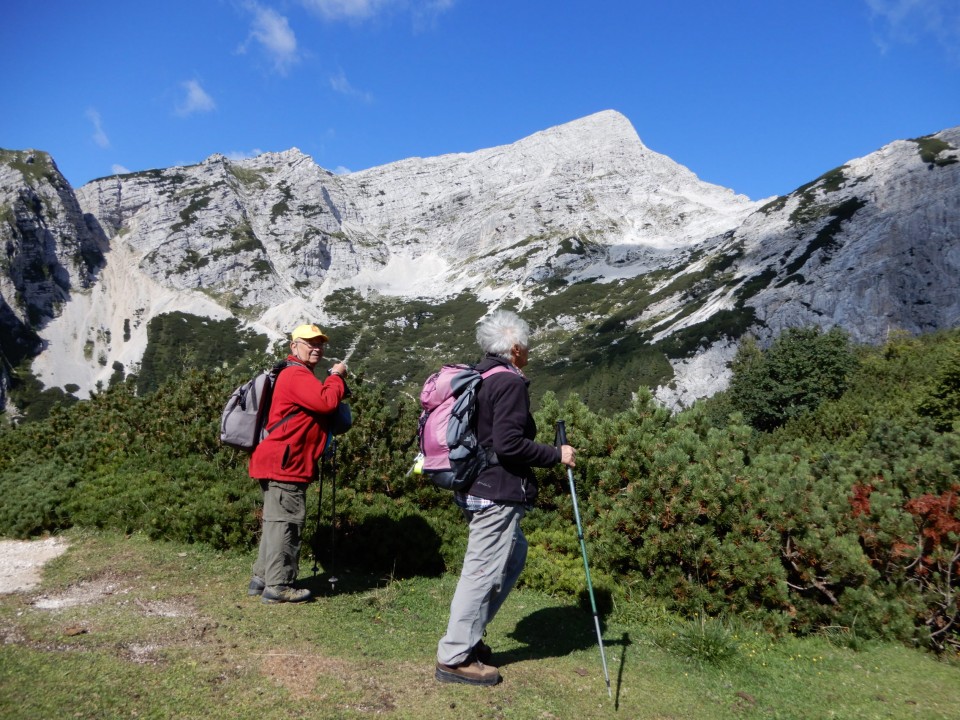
(285, 462)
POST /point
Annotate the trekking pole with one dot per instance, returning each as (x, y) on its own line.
(316, 533)
(562, 437)
(333, 510)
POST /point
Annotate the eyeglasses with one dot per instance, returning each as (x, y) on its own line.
(313, 346)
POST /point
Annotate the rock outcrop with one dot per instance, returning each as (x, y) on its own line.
(51, 250)
(871, 246)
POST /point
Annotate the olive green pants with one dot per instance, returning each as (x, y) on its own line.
(284, 515)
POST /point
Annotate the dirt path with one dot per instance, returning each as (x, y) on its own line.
(22, 560)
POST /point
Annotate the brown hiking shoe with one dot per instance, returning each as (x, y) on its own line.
(470, 673)
(284, 594)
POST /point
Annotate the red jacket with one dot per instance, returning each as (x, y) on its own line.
(291, 451)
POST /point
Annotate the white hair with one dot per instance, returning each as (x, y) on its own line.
(499, 331)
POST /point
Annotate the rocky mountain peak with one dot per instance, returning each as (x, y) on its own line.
(599, 134)
(622, 258)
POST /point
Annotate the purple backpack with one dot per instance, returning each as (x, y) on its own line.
(452, 456)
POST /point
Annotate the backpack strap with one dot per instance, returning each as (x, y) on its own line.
(280, 366)
(282, 420)
(277, 369)
(500, 368)
(468, 378)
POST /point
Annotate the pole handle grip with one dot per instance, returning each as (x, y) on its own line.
(561, 433)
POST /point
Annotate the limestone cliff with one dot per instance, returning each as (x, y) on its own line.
(685, 266)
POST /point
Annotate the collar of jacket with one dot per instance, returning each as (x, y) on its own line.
(490, 360)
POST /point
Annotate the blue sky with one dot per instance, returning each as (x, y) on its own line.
(760, 96)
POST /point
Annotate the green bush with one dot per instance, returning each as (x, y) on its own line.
(33, 496)
(942, 401)
(844, 516)
(186, 500)
(677, 509)
(803, 368)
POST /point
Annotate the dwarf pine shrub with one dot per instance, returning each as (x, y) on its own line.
(845, 517)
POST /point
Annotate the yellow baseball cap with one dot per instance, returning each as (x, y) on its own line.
(308, 332)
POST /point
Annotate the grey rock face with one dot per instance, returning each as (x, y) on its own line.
(872, 246)
(257, 232)
(50, 248)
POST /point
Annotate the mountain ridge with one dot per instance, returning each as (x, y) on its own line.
(583, 210)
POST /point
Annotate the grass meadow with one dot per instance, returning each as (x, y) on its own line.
(125, 627)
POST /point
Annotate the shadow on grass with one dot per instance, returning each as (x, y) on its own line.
(551, 632)
(625, 642)
(327, 584)
(558, 631)
(361, 557)
(555, 632)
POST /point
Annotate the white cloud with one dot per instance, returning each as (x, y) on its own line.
(347, 9)
(341, 170)
(243, 154)
(275, 35)
(119, 169)
(911, 21)
(340, 84)
(99, 136)
(195, 100)
(426, 13)
(421, 10)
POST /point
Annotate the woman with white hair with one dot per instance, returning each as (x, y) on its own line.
(496, 501)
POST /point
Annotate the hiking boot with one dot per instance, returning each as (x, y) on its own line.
(483, 652)
(256, 585)
(472, 672)
(284, 594)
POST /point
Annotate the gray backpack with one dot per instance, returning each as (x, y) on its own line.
(244, 418)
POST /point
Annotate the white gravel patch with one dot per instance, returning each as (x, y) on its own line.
(21, 562)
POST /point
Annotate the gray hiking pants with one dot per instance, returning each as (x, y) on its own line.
(496, 553)
(284, 515)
